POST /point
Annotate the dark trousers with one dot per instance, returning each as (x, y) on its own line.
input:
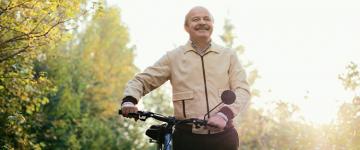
(227, 140)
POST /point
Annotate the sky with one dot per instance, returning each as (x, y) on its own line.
(299, 47)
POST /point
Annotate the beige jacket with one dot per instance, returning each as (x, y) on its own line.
(197, 81)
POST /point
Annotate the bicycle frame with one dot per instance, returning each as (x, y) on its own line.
(167, 141)
(161, 135)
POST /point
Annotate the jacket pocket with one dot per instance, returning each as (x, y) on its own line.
(186, 95)
(179, 101)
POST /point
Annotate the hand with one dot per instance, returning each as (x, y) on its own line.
(128, 107)
(216, 122)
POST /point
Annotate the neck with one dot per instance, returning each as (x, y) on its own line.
(201, 44)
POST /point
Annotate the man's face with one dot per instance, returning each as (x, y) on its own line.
(199, 24)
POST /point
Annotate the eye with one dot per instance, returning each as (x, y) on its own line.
(196, 19)
(207, 18)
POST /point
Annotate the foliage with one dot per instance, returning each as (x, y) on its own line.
(60, 89)
(28, 28)
(278, 129)
(345, 134)
(351, 79)
(90, 72)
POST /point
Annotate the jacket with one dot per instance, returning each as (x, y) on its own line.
(197, 81)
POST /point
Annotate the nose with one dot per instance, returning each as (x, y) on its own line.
(202, 21)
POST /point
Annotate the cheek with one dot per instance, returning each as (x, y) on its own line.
(189, 29)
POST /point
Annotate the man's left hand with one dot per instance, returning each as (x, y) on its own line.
(217, 122)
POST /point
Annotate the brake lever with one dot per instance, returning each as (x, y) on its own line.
(143, 115)
(198, 123)
(136, 115)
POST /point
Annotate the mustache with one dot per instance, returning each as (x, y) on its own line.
(202, 27)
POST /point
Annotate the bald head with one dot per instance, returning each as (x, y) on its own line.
(199, 24)
(194, 10)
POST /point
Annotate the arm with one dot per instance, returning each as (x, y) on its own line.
(143, 83)
(238, 84)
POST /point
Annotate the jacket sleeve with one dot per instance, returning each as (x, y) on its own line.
(240, 86)
(152, 77)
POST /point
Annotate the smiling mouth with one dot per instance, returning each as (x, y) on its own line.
(202, 28)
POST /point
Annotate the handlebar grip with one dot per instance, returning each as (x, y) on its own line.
(203, 123)
(131, 115)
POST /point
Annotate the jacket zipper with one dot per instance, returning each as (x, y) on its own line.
(206, 94)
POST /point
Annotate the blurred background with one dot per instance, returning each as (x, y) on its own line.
(64, 65)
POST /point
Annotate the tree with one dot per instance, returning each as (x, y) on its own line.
(108, 65)
(351, 79)
(28, 28)
(346, 131)
(90, 72)
(274, 130)
(107, 60)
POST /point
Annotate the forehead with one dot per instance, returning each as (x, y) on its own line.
(198, 12)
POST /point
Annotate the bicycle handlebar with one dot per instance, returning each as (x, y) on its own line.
(143, 115)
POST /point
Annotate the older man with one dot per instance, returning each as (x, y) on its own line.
(199, 72)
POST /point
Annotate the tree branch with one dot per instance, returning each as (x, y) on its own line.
(4, 77)
(29, 35)
(9, 49)
(14, 54)
(5, 27)
(9, 8)
(5, 9)
(37, 25)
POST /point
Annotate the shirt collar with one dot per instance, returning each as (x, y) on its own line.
(213, 48)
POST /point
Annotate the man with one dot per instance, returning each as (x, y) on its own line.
(199, 72)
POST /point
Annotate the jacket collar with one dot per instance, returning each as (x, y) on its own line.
(213, 48)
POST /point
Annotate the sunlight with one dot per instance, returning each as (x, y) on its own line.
(68, 74)
(298, 55)
(298, 50)
(319, 114)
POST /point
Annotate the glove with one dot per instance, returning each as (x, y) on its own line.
(128, 106)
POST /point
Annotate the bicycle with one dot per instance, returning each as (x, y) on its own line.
(162, 134)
